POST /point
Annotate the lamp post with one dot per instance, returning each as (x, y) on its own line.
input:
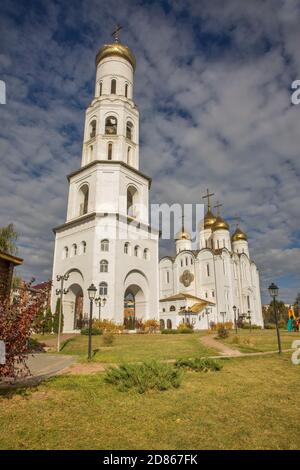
(60, 292)
(207, 312)
(100, 302)
(273, 291)
(92, 294)
(235, 321)
(249, 318)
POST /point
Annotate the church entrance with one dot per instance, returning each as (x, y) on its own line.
(134, 307)
(73, 308)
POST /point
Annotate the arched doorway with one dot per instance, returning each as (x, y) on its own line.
(134, 306)
(73, 308)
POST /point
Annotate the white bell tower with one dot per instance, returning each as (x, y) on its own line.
(106, 239)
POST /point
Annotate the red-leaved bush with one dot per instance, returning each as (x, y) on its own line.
(16, 320)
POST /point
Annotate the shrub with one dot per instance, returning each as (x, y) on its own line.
(246, 326)
(228, 325)
(185, 328)
(142, 377)
(95, 331)
(108, 338)
(170, 332)
(223, 333)
(270, 326)
(151, 326)
(199, 364)
(107, 325)
(35, 346)
(282, 324)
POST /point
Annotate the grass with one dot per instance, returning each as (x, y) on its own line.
(259, 340)
(250, 404)
(136, 347)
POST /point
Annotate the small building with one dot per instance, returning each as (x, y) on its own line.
(7, 265)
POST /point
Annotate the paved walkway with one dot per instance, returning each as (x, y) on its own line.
(42, 366)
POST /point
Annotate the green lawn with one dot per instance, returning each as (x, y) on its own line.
(250, 404)
(259, 340)
(137, 347)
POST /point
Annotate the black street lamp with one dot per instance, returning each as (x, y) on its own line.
(100, 302)
(92, 294)
(235, 321)
(60, 292)
(249, 319)
(273, 291)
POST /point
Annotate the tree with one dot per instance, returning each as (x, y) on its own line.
(281, 309)
(56, 317)
(16, 321)
(8, 238)
(297, 305)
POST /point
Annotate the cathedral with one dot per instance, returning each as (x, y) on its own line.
(216, 283)
(107, 240)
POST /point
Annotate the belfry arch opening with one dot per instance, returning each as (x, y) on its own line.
(83, 199)
(73, 308)
(134, 306)
(132, 201)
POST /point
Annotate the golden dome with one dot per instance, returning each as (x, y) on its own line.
(220, 224)
(209, 219)
(117, 49)
(182, 235)
(239, 235)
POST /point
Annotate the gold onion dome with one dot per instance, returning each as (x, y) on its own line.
(220, 224)
(239, 235)
(182, 235)
(116, 49)
(209, 219)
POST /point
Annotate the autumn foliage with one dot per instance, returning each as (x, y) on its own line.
(16, 323)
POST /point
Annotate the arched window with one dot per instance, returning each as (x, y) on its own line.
(126, 90)
(186, 261)
(162, 324)
(100, 89)
(74, 249)
(103, 266)
(65, 252)
(132, 197)
(137, 251)
(83, 199)
(168, 277)
(129, 156)
(103, 290)
(109, 151)
(172, 308)
(91, 153)
(104, 245)
(113, 86)
(111, 125)
(207, 270)
(129, 130)
(93, 126)
(146, 253)
(83, 247)
(127, 248)
(169, 324)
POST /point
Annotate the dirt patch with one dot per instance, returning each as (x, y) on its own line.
(85, 369)
(211, 342)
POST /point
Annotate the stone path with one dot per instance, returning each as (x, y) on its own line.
(226, 351)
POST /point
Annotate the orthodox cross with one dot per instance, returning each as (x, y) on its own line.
(208, 196)
(116, 34)
(238, 220)
(182, 221)
(217, 206)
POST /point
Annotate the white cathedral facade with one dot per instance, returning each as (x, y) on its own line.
(107, 240)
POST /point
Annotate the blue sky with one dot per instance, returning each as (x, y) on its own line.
(213, 85)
